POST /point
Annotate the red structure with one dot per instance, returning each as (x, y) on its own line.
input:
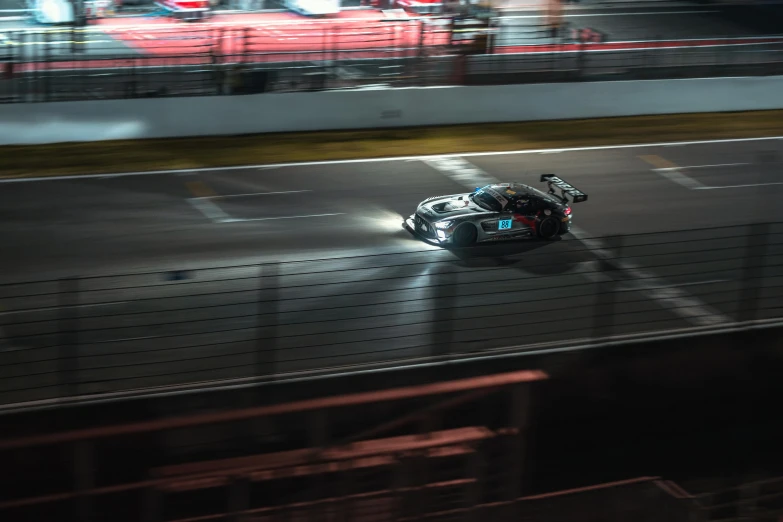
(186, 9)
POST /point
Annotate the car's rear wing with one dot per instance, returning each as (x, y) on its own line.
(565, 188)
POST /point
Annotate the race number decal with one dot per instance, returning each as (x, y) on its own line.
(504, 224)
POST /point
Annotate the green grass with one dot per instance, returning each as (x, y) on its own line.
(187, 153)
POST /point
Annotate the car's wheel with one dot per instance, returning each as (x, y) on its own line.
(465, 235)
(548, 228)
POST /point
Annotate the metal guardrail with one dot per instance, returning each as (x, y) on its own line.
(70, 64)
(392, 453)
(103, 334)
(445, 451)
(760, 500)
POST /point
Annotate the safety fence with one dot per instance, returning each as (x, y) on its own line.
(151, 60)
(274, 42)
(99, 334)
(447, 451)
(757, 500)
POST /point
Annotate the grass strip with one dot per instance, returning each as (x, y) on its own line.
(189, 153)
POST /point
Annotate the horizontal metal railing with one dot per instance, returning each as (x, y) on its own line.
(757, 500)
(338, 440)
(111, 62)
(379, 455)
(108, 334)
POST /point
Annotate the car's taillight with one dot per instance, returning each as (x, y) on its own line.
(568, 211)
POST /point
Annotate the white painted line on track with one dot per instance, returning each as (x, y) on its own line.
(677, 301)
(717, 165)
(740, 186)
(676, 175)
(252, 194)
(382, 160)
(240, 220)
(215, 214)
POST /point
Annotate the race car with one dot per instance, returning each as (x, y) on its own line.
(498, 212)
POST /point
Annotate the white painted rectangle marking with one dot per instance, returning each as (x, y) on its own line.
(209, 210)
(678, 177)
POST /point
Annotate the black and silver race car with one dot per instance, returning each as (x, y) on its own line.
(498, 212)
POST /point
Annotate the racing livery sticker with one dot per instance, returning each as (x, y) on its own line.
(499, 197)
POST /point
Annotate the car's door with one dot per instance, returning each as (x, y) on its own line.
(496, 224)
(525, 211)
(504, 224)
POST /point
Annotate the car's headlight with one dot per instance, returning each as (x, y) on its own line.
(443, 224)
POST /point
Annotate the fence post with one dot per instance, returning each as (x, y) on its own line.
(319, 441)
(67, 356)
(420, 50)
(268, 309)
(238, 497)
(474, 493)
(606, 296)
(518, 422)
(245, 44)
(32, 79)
(152, 504)
(44, 66)
(748, 501)
(83, 478)
(753, 271)
(442, 333)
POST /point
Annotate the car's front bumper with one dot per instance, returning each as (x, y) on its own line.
(427, 232)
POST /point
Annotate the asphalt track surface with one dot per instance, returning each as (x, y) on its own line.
(353, 286)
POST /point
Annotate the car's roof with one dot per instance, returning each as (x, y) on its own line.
(513, 191)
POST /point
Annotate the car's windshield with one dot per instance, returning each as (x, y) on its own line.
(486, 201)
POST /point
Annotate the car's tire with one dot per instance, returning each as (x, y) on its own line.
(465, 235)
(548, 228)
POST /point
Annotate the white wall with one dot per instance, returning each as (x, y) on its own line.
(227, 115)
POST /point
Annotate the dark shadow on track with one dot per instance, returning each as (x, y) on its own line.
(540, 257)
(533, 256)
